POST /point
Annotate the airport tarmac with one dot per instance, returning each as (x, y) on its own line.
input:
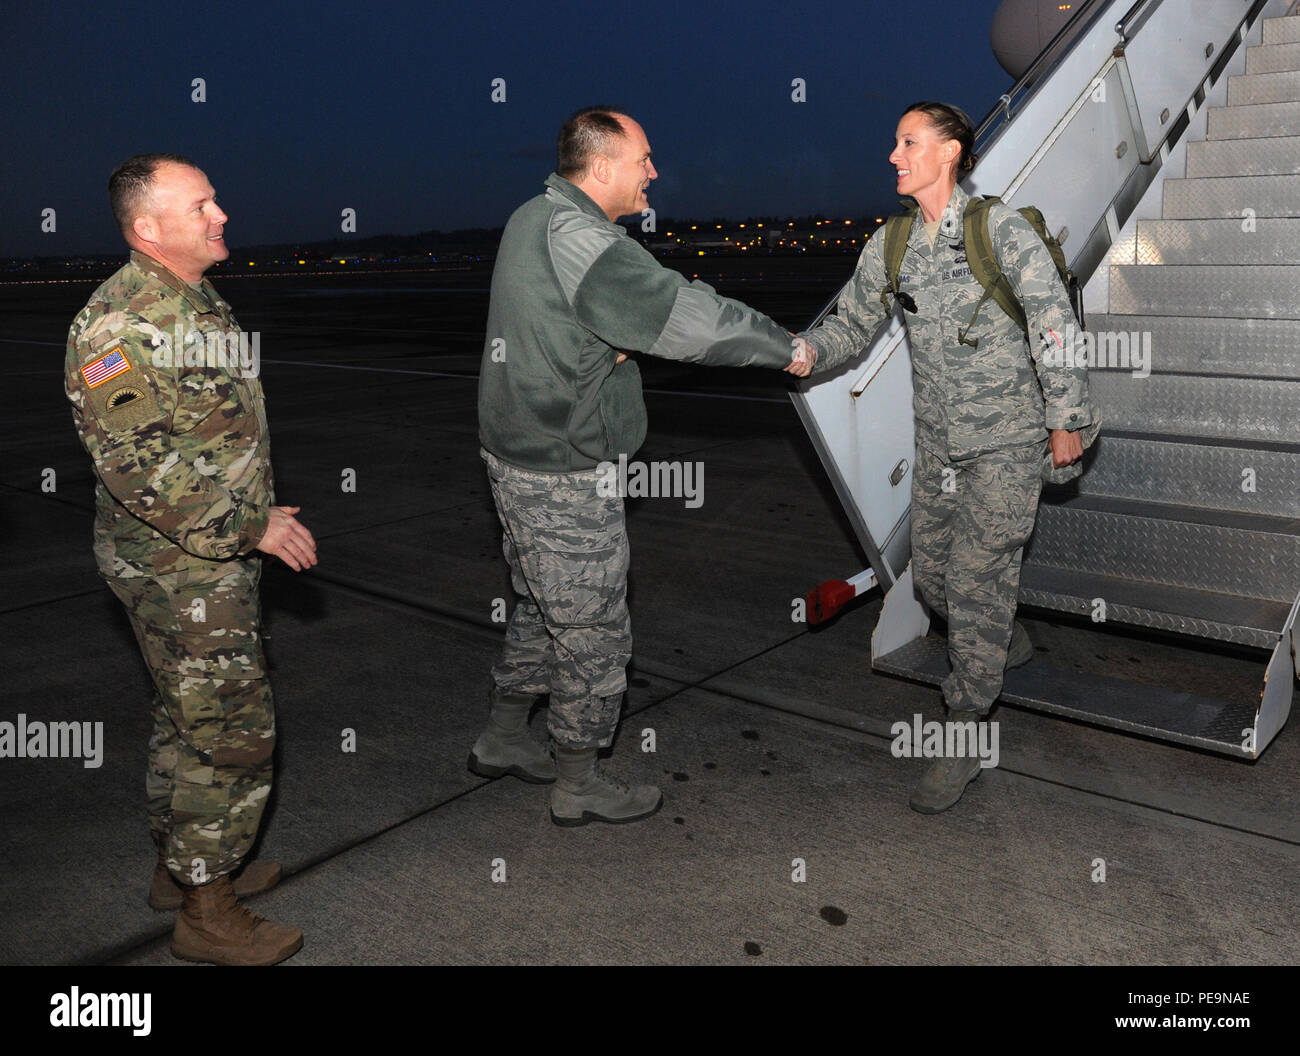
(785, 835)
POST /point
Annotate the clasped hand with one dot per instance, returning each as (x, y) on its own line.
(804, 358)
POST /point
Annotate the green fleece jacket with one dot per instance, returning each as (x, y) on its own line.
(570, 291)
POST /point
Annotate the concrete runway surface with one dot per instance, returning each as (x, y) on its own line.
(785, 836)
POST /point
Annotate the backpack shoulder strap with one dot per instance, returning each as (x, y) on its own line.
(982, 256)
(897, 230)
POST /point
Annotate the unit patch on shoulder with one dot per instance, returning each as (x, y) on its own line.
(123, 396)
(106, 367)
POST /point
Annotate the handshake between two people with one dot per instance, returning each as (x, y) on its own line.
(804, 358)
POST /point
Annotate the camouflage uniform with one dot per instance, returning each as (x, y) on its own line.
(570, 290)
(982, 418)
(179, 441)
(570, 634)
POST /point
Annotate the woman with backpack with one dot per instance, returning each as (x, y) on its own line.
(995, 410)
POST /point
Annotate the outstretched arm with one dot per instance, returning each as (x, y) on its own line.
(858, 314)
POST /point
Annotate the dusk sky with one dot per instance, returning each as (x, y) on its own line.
(312, 108)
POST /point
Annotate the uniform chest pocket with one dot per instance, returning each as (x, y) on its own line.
(209, 396)
(208, 401)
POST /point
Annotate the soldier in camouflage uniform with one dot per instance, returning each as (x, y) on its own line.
(987, 412)
(167, 404)
(572, 294)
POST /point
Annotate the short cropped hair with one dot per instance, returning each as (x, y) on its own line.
(132, 182)
(950, 122)
(591, 131)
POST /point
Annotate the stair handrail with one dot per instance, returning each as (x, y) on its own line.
(1046, 60)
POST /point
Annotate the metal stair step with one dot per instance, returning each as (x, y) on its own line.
(1247, 480)
(1283, 87)
(1244, 410)
(1166, 550)
(1267, 240)
(1180, 510)
(1252, 121)
(1227, 196)
(1180, 610)
(1268, 156)
(1282, 30)
(1252, 348)
(1263, 156)
(1169, 713)
(1273, 58)
(1237, 291)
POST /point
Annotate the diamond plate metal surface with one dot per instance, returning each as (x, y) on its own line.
(1187, 406)
(1206, 557)
(1242, 291)
(1272, 58)
(1157, 621)
(1251, 122)
(1264, 88)
(1284, 30)
(1266, 348)
(1228, 195)
(1269, 240)
(1199, 614)
(1244, 157)
(1195, 475)
(1181, 716)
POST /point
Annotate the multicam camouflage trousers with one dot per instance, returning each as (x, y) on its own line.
(970, 522)
(209, 770)
(570, 634)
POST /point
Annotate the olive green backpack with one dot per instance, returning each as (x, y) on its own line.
(982, 258)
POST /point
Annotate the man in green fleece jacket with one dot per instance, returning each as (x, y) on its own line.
(572, 296)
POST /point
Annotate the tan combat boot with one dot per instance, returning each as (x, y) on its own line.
(505, 747)
(165, 893)
(583, 792)
(213, 928)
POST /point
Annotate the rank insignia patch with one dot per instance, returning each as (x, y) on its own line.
(124, 396)
(107, 366)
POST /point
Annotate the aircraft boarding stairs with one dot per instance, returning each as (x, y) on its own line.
(1187, 517)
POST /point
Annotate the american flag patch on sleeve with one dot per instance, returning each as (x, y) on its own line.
(107, 366)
